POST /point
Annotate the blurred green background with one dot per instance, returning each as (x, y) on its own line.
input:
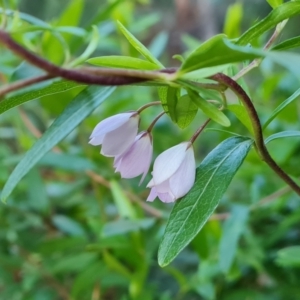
(73, 229)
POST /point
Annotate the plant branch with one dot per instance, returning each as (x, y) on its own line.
(22, 83)
(271, 197)
(256, 62)
(86, 75)
(127, 73)
(258, 135)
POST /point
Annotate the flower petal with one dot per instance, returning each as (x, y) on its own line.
(163, 187)
(152, 195)
(183, 180)
(166, 197)
(168, 162)
(136, 160)
(150, 184)
(119, 140)
(108, 125)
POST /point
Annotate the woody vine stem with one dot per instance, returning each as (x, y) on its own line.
(103, 76)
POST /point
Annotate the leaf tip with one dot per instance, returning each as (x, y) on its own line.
(162, 262)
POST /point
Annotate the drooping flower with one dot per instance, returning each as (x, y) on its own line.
(116, 133)
(173, 173)
(137, 159)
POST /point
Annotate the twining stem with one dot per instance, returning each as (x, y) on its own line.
(199, 130)
(22, 83)
(148, 105)
(257, 129)
(87, 75)
(154, 121)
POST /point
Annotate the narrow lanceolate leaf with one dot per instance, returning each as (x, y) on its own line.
(283, 134)
(36, 92)
(208, 54)
(124, 206)
(241, 113)
(289, 257)
(275, 3)
(233, 228)
(139, 46)
(282, 106)
(209, 109)
(72, 116)
(288, 44)
(189, 214)
(89, 50)
(127, 62)
(277, 15)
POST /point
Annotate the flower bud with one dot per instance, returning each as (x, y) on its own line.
(116, 133)
(137, 159)
(173, 173)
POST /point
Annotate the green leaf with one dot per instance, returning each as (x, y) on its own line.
(283, 134)
(124, 226)
(178, 57)
(72, 263)
(37, 195)
(26, 17)
(125, 207)
(233, 228)
(169, 97)
(208, 54)
(281, 107)
(89, 50)
(35, 92)
(189, 214)
(56, 46)
(289, 257)
(277, 15)
(185, 111)
(87, 278)
(205, 72)
(233, 20)
(275, 3)
(82, 106)
(209, 109)
(139, 46)
(290, 61)
(288, 44)
(122, 62)
(241, 113)
(159, 44)
(67, 162)
(68, 225)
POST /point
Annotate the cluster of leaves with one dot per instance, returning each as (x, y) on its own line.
(66, 232)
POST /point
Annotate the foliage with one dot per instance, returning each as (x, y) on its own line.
(70, 228)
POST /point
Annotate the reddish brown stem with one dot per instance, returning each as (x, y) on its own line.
(258, 135)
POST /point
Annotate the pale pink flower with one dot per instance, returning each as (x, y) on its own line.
(116, 134)
(137, 159)
(173, 173)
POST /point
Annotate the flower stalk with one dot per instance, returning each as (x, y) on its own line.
(154, 121)
(99, 76)
(199, 130)
(148, 105)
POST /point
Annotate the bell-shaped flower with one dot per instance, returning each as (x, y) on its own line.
(137, 159)
(173, 173)
(116, 133)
